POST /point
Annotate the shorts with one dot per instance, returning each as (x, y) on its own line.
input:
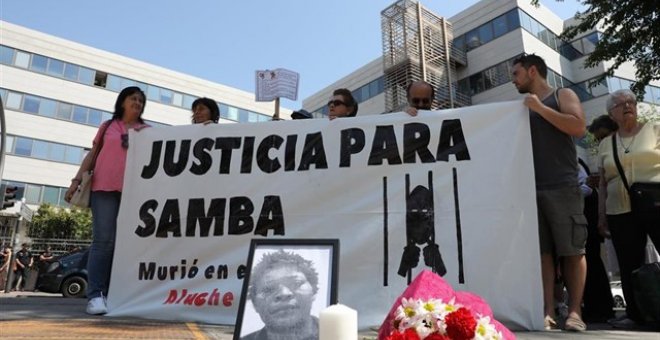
(562, 224)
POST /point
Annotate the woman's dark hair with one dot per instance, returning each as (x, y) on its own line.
(348, 98)
(603, 122)
(211, 105)
(125, 93)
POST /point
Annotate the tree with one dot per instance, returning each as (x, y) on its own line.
(631, 33)
(52, 222)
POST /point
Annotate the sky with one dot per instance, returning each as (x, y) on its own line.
(226, 41)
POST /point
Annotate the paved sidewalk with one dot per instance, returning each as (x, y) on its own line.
(50, 316)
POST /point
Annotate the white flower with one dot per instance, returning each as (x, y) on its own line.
(486, 330)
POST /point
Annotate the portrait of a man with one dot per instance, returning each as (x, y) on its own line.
(282, 289)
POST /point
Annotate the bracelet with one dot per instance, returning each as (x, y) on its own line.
(76, 180)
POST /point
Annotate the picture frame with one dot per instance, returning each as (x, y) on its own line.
(280, 284)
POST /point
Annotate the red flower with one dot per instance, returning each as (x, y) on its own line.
(461, 324)
(409, 334)
(436, 336)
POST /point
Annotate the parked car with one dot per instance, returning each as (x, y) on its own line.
(617, 294)
(66, 275)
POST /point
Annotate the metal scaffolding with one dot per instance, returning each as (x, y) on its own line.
(415, 45)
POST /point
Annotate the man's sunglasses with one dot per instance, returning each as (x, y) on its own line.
(336, 102)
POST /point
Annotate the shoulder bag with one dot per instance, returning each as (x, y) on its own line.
(644, 196)
(80, 197)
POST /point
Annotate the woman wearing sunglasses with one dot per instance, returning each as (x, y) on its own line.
(111, 144)
(342, 104)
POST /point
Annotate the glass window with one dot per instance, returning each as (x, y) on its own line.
(648, 94)
(357, 95)
(381, 84)
(188, 101)
(655, 94)
(577, 44)
(55, 68)
(486, 33)
(142, 86)
(6, 55)
(459, 43)
(73, 155)
(476, 83)
(31, 104)
(47, 107)
(364, 92)
(513, 19)
(22, 59)
(100, 79)
(95, 117)
(373, 88)
(525, 21)
(80, 114)
(39, 149)
(500, 26)
(177, 99)
(232, 113)
(490, 78)
(32, 193)
(51, 195)
(23, 146)
(114, 83)
(625, 84)
(253, 117)
(535, 28)
(472, 40)
(243, 116)
(224, 110)
(153, 93)
(57, 152)
(126, 83)
(86, 76)
(589, 42)
(10, 144)
(13, 101)
(39, 63)
(600, 88)
(464, 86)
(64, 111)
(165, 96)
(71, 72)
(105, 116)
(3, 95)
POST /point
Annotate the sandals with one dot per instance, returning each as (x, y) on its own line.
(549, 323)
(575, 324)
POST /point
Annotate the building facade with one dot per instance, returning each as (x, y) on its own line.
(56, 93)
(492, 33)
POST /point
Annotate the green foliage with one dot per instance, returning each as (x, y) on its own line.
(53, 222)
(631, 31)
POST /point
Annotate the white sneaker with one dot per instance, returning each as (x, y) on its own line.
(96, 306)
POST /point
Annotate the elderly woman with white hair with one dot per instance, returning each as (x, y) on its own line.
(634, 151)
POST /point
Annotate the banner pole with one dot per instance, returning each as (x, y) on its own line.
(276, 116)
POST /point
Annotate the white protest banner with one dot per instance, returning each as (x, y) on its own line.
(277, 83)
(460, 181)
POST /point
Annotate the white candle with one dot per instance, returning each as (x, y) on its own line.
(338, 322)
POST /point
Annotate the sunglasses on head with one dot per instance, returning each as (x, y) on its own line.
(124, 140)
(336, 102)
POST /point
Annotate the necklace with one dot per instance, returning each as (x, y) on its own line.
(626, 149)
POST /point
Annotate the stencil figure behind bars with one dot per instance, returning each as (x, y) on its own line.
(420, 230)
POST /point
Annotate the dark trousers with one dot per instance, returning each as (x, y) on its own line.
(20, 273)
(629, 234)
(598, 301)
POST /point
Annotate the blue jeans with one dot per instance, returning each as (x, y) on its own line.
(105, 208)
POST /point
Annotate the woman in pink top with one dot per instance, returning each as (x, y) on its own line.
(111, 143)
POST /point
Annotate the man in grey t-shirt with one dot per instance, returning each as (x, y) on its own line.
(556, 116)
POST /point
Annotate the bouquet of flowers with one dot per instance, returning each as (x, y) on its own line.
(434, 319)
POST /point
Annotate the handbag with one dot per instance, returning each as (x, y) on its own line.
(80, 197)
(644, 196)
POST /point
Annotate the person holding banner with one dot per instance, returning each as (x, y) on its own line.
(556, 116)
(342, 104)
(635, 148)
(420, 96)
(111, 144)
(205, 111)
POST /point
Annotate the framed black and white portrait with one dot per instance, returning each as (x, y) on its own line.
(288, 283)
